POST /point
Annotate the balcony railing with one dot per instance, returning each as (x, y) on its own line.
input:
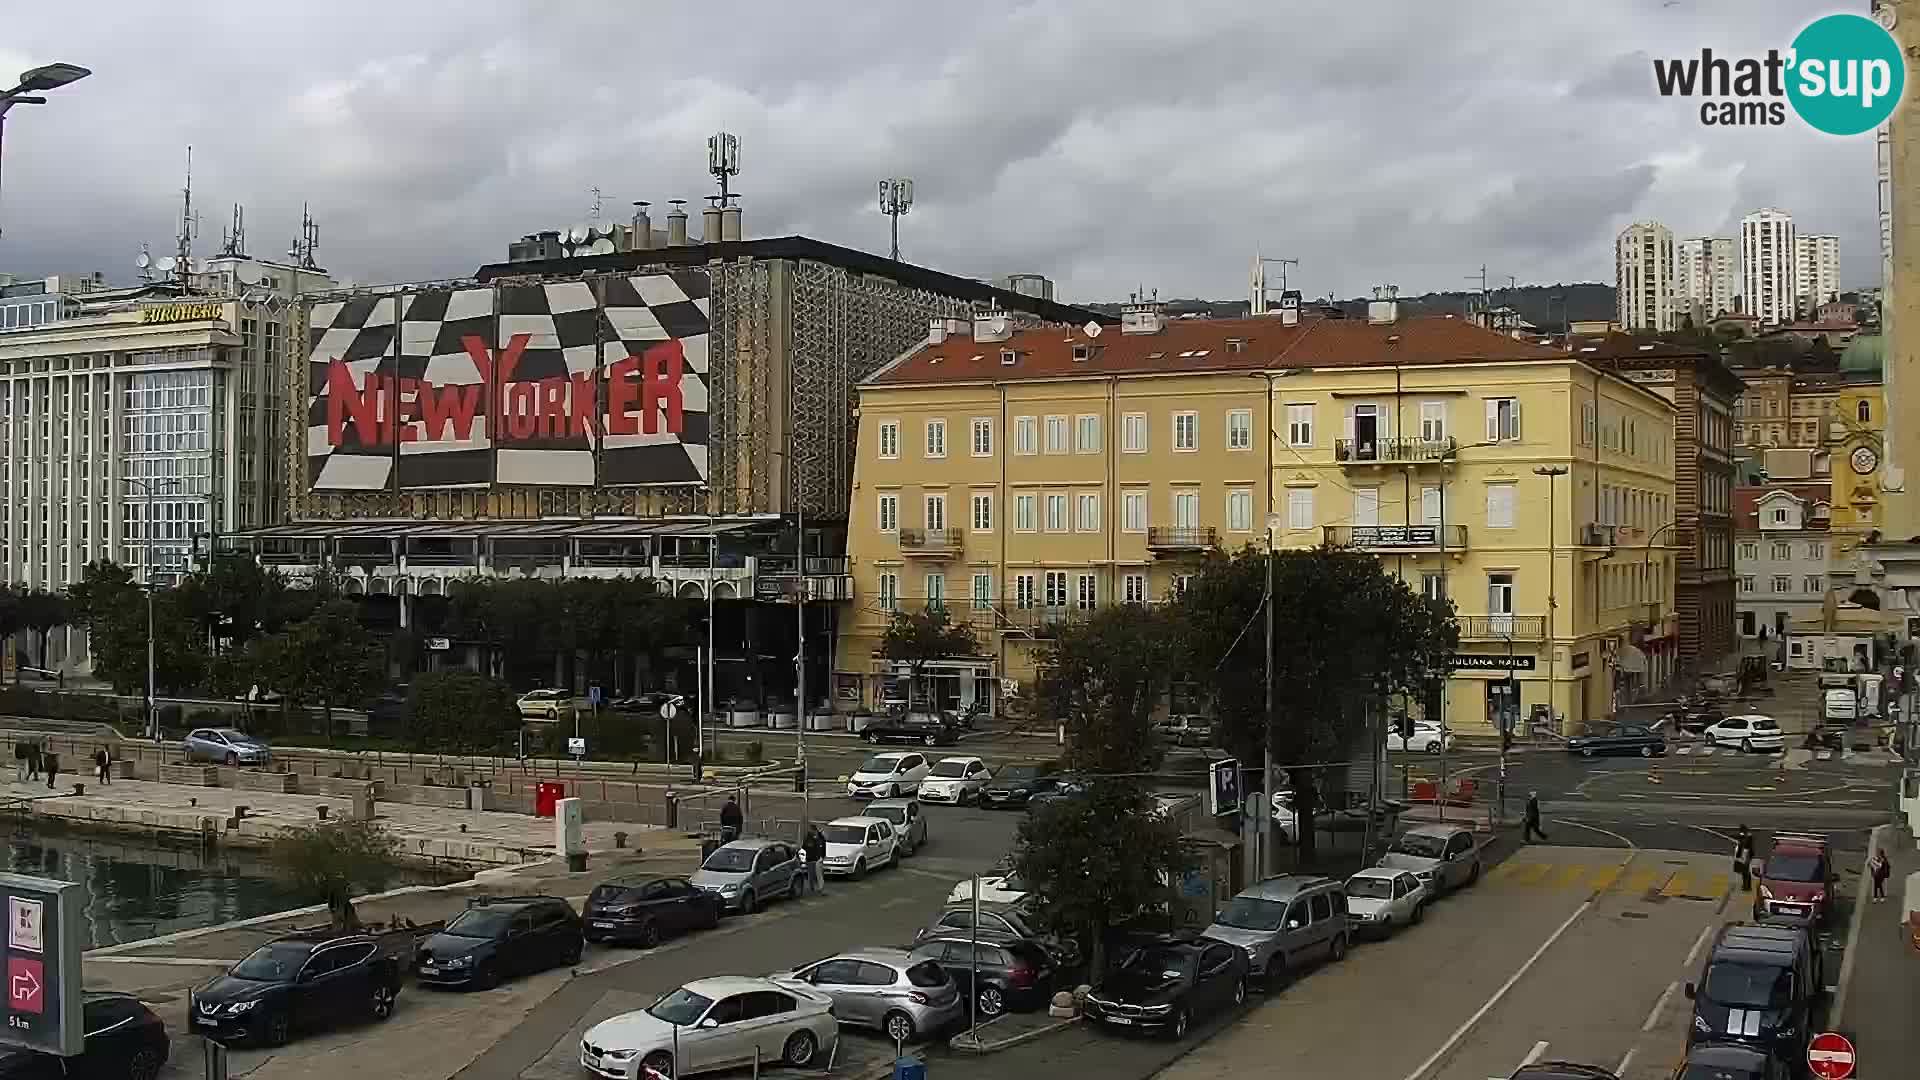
(1396, 537)
(1400, 451)
(938, 542)
(1503, 627)
(1599, 536)
(1041, 621)
(1182, 538)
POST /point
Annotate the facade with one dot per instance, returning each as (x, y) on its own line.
(1782, 556)
(1816, 259)
(1020, 480)
(1644, 276)
(1769, 268)
(1703, 278)
(1780, 407)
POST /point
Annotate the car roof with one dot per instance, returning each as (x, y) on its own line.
(1285, 887)
(998, 941)
(513, 901)
(1562, 1070)
(1434, 830)
(1385, 873)
(894, 753)
(960, 759)
(998, 907)
(719, 986)
(752, 843)
(1730, 1055)
(1773, 945)
(629, 881)
(879, 955)
(859, 819)
(899, 803)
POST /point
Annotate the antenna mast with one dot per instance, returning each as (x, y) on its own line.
(189, 224)
(896, 198)
(1257, 301)
(233, 241)
(304, 245)
(723, 161)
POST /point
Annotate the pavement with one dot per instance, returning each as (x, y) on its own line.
(1877, 1010)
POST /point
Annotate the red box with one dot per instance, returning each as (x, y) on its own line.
(545, 794)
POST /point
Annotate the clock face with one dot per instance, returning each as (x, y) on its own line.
(1864, 460)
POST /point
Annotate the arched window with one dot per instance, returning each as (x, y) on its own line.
(1865, 412)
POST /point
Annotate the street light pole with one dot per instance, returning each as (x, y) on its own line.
(1265, 861)
(44, 77)
(153, 701)
(1551, 472)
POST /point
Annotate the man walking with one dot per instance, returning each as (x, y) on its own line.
(52, 764)
(1532, 827)
(730, 820)
(103, 762)
(1743, 858)
(815, 847)
(19, 761)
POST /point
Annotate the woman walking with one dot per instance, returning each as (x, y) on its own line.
(1881, 868)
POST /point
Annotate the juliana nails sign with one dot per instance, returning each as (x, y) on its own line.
(191, 312)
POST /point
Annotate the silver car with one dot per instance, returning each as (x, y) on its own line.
(908, 819)
(227, 746)
(885, 989)
(1285, 922)
(1379, 900)
(1443, 857)
(748, 873)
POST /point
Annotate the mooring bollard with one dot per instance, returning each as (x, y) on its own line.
(322, 811)
(619, 839)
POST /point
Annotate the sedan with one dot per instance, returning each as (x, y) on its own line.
(1750, 733)
(856, 845)
(124, 1041)
(727, 1022)
(227, 746)
(891, 990)
(1379, 900)
(1442, 857)
(955, 780)
(545, 705)
(1013, 785)
(297, 983)
(1623, 739)
(1426, 739)
(1163, 987)
(641, 909)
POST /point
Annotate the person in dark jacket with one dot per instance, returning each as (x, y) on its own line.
(1532, 824)
(103, 764)
(730, 820)
(51, 762)
(19, 761)
(815, 846)
(33, 760)
(1743, 858)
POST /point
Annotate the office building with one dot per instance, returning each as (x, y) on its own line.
(1816, 258)
(1703, 278)
(1769, 266)
(1643, 276)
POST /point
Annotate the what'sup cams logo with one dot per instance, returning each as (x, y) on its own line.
(1843, 75)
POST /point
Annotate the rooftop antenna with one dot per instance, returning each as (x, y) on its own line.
(723, 161)
(896, 198)
(144, 261)
(233, 241)
(304, 245)
(593, 211)
(1257, 295)
(189, 225)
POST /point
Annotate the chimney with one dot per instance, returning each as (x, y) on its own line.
(730, 222)
(642, 236)
(1290, 308)
(936, 331)
(677, 223)
(1384, 308)
(710, 222)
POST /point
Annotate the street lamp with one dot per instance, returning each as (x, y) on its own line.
(1266, 602)
(153, 702)
(1552, 473)
(32, 82)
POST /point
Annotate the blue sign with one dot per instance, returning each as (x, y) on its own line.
(1223, 786)
(593, 696)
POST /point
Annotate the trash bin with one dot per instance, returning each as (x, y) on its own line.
(909, 1067)
(545, 794)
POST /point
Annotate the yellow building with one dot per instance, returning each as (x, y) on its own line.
(1021, 476)
(1857, 438)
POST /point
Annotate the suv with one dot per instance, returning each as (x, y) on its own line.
(1285, 921)
(1796, 880)
(1758, 988)
(925, 728)
(501, 936)
(300, 982)
(1000, 975)
(744, 873)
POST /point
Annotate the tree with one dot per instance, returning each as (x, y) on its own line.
(915, 637)
(1104, 678)
(460, 711)
(325, 659)
(1096, 861)
(333, 862)
(236, 599)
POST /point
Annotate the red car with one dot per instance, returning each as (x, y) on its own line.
(1795, 881)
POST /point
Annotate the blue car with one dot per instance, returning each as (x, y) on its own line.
(225, 746)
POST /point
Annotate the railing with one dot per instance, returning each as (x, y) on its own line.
(1396, 537)
(1041, 621)
(784, 565)
(930, 541)
(1182, 537)
(1502, 627)
(1399, 451)
(1599, 536)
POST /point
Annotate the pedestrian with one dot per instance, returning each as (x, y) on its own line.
(19, 761)
(730, 820)
(1880, 867)
(1743, 858)
(1532, 828)
(815, 846)
(103, 762)
(33, 760)
(51, 762)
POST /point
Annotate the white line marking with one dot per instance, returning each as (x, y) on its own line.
(1698, 944)
(1659, 1006)
(1853, 936)
(1621, 1069)
(1598, 829)
(1539, 1051)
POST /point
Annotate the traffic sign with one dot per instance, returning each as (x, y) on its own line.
(1830, 1056)
(44, 917)
(577, 746)
(668, 710)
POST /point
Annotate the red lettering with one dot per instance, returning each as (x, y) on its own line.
(349, 403)
(581, 423)
(496, 369)
(521, 406)
(553, 408)
(660, 386)
(621, 395)
(441, 405)
(409, 408)
(381, 386)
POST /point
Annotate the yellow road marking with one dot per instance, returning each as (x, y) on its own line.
(1505, 870)
(1533, 874)
(1569, 877)
(1716, 885)
(1642, 880)
(1606, 878)
(1679, 885)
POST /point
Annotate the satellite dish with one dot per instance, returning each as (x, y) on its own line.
(569, 252)
(1092, 328)
(143, 260)
(167, 263)
(579, 234)
(247, 274)
(602, 246)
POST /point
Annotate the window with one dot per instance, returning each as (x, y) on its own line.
(889, 592)
(1133, 511)
(889, 438)
(1746, 583)
(1056, 588)
(1782, 550)
(1749, 552)
(1186, 509)
(1503, 419)
(1240, 510)
(1864, 411)
(1056, 434)
(1366, 506)
(983, 592)
(1816, 550)
(1026, 435)
(1088, 516)
(1430, 505)
(1299, 508)
(1500, 506)
(1134, 588)
(889, 513)
(1240, 429)
(1586, 423)
(1433, 421)
(936, 512)
(936, 591)
(983, 436)
(1779, 515)
(1433, 586)
(1133, 433)
(982, 511)
(1023, 592)
(1023, 514)
(1056, 513)
(1186, 431)
(1500, 602)
(1781, 583)
(1300, 425)
(1086, 592)
(1814, 583)
(936, 438)
(1087, 434)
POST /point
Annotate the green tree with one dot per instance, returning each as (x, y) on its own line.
(332, 862)
(1095, 862)
(325, 659)
(1105, 676)
(235, 599)
(914, 638)
(460, 711)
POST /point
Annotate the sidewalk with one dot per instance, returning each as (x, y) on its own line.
(1879, 996)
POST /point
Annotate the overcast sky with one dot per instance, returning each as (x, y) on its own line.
(1106, 144)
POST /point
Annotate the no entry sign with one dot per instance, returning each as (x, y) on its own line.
(1830, 1056)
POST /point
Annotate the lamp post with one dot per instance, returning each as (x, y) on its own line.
(1551, 472)
(33, 80)
(1266, 603)
(153, 702)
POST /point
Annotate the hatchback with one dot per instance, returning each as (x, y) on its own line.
(1750, 732)
(499, 937)
(1000, 975)
(887, 776)
(748, 873)
(1378, 900)
(856, 845)
(642, 909)
(546, 705)
(1443, 857)
(227, 746)
(124, 1041)
(909, 822)
(888, 989)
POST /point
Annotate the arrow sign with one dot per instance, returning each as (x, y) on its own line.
(1830, 1056)
(25, 985)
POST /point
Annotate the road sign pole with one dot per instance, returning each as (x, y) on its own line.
(43, 965)
(1830, 1056)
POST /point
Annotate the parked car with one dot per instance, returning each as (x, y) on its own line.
(1427, 738)
(955, 780)
(890, 990)
(927, 729)
(745, 874)
(296, 983)
(648, 702)
(1692, 720)
(1186, 730)
(1284, 923)
(884, 776)
(856, 845)
(499, 937)
(1796, 880)
(545, 705)
(726, 1022)
(1163, 987)
(1011, 974)
(1380, 900)
(909, 822)
(1749, 732)
(1443, 857)
(641, 909)
(1063, 789)
(1619, 739)
(1732, 1061)
(1573, 1070)
(999, 922)
(1840, 705)
(1002, 888)
(1013, 785)
(1758, 987)
(226, 746)
(124, 1041)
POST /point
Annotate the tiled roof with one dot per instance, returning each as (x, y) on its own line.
(1746, 503)
(1202, 345)
(1629, 347)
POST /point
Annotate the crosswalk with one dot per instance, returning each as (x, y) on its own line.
(1673, 884)
(1734, 753)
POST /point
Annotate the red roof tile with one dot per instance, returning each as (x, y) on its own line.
(1746, 503)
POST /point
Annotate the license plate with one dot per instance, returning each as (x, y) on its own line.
(598, 925)
(429, 969)
(996, 796)
(205, 1021)
(1121, 1020)
(590, 1061)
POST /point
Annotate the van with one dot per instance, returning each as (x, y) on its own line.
(1840, 705)
(1796, 881)
(1758, 988)
(1284, 923)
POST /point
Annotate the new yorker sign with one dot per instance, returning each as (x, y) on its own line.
(185, 312)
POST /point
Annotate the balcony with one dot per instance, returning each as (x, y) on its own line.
(1503, 627)
(1599, 536)
(931, 543)
(1396, 538)
(1040, 622)
(1403, 451)
(1174, 539)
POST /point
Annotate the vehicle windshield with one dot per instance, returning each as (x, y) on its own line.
(1420, 845)
(1252, 913)
(1792, 867)
(480, 923)
(879, 764)
(1748, 986)
(950, 768)
(846, 834)
(1167, 963)
(613, 893)
(1370, 888)
(682, 1007)
(273, 963)
(895, 814)
(1017, 774)
(729, 860)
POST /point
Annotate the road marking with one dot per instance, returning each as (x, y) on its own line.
(1653, 1017)
(1677, 885)
(1823, 755)
(1683, 751)
(1539, 1051)
(1621, 1069)
(1569, 877)
(1642, 881)
(1853, 936)
(1605, 879)
(1532, 874)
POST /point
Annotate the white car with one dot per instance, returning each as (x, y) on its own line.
(856, 845)
(1749, 732)
(1379, 899)
(955, 780)
(887, 776)
(546, 705)
(1004, 888)
(1426, 739)
(728, 1022)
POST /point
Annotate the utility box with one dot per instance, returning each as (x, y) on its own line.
(546, 794)
(909, 1067)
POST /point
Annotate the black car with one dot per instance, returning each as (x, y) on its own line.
(640, 910)
(1758, 987)
(927, 729)
(298, 983)
(1732, 1061)
(124, 1041)
(1014, 785)
(500, 937)
(1000, 975)
(1163, 987)
(999, 922)
(1063, 789)
(1692, 720)
(1562, 1070)
(1620, 739)
(648, 702)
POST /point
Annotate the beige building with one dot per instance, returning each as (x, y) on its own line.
(1643, 279)
(1021, 478)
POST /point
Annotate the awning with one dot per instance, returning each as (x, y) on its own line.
(1630, 659)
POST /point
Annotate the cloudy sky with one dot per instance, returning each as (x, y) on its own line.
(1107, 144)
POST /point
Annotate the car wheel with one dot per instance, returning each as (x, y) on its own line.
(1433, 746)
(1180, 1021)
(800, 1048)
(991, 1001)
(1240, 992)
(1708, 736)
(859, 868)
(1586, 751)
(659, 1061)
(487, 977)
(898, 1026)
(382, 1004)
(1646, 751)
(873, 737)
(893, 791)
(1339, 950)
(233, 758)
(928, 740)
(1746, 746)
(574, 949)
(747, 901)
(1276, 972)
(279, 1027)
(1419, 912)
(1473, 873)
(144, 1065)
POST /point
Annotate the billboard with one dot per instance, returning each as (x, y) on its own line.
(569, 383)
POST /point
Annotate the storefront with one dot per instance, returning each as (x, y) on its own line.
(961, 684)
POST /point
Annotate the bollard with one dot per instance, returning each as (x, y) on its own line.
(322, 811)
(673, 810)
(619, 838)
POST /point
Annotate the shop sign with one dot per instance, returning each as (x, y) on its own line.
(1494, 662)
(170, 313)
(1581, 659)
